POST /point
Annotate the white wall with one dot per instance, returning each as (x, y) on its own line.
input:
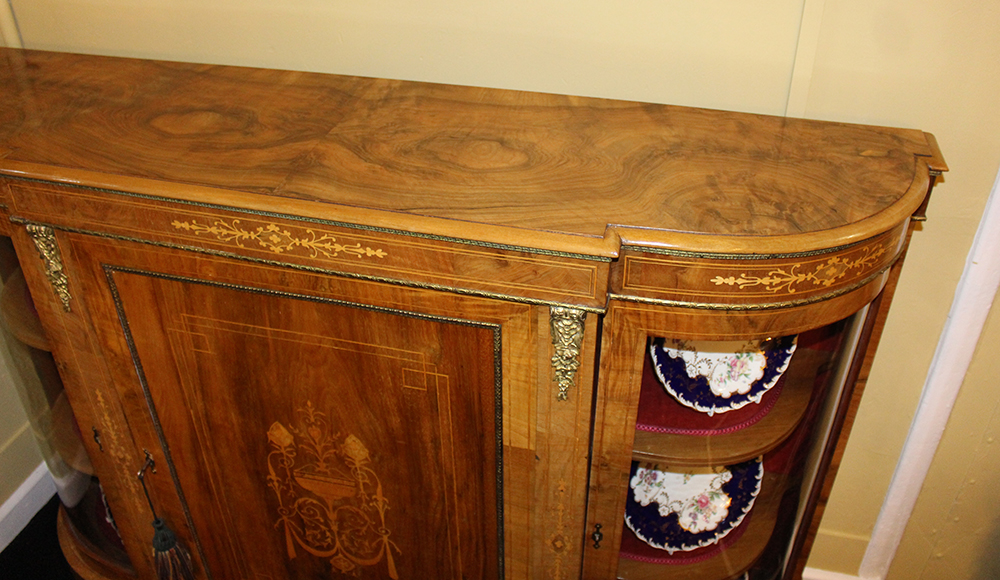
(930, 65)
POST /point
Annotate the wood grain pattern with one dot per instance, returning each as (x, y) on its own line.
(332, 247)
(560, 486)
(754, 279)
(96, 405)
(469, 156)
(345, 412)
(837, 445)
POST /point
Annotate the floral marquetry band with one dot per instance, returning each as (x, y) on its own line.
(729, 279)
(790, 280)
(278, 239)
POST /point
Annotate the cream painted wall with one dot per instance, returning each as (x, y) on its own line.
(9, 35)
(887, 62)
(930, 65)
(954, 531)
(713, 53)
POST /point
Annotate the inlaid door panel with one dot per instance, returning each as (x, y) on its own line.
(304, 436)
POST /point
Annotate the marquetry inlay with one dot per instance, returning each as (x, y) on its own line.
(825, 274)
(559, 543)
(330, 500)
(278, 239)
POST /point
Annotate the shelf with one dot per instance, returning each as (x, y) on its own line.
(734, 559)
(18, 313)
(688, 450)
(85, 559)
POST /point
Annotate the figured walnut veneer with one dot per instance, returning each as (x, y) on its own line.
(511, 160)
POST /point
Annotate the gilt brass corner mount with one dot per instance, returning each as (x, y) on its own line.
(567, 336)
(45, 240)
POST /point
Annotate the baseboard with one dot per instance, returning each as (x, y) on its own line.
(817, 574)
(24, 503)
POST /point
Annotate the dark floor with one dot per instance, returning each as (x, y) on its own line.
(34, 554)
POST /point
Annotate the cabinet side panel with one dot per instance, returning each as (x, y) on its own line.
(97, 409)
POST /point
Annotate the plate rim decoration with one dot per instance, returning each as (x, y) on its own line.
(754, 468)
(701, 485)
(704, 400)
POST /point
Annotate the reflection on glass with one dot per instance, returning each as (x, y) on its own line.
(36, 378)
(729, 441)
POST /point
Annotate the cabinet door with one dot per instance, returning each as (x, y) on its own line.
(307, 425)
(693, 482)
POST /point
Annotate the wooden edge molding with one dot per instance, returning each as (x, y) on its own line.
(316, 270)
(936, 163)
(822, 240)
(936, 166)
(402, 223)
(534, 241)
(829, 279)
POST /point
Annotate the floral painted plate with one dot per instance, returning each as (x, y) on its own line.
(696, 498)
(719, 376)
(686, 511)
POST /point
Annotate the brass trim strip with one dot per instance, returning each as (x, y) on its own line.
(498, 442)
(566, 326)
(752, 307)
(315, 270)
(269, 214)
(48, 250)
(497, 329)
(747, 257)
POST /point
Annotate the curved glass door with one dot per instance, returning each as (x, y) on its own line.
(729, 449)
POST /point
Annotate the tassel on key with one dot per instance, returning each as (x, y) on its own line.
(172, 561)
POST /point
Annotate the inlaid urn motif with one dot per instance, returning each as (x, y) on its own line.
(330, 500)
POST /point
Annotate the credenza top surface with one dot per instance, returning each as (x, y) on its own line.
(539, 166)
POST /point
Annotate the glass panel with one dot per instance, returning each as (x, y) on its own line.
(53, 425)
(728, 445)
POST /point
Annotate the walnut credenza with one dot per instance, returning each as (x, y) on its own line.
(384, 329)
